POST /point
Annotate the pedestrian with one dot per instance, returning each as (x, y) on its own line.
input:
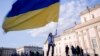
(37, 53)
(82, 53)
(67, 50)
(73, 51)
(78, 51)
(50, 44)
(32, 53)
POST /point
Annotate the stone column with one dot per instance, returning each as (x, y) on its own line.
(89, 39)
(83, 41)
(97, 37)
(77, 37)
(89, 49)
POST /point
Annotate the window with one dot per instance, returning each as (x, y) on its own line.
(79, 34)
(93, 16)
(59, 50)
(94, 43)
(56, 50)
(84, 33)
(64, 38)
(84, 19)
(69, 37)
(98, 28)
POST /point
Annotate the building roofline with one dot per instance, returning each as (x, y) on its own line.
(90, 9)
(7, 48)
(90, 22)
(29, 47)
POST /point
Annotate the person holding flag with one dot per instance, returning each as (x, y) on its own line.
(50, 44)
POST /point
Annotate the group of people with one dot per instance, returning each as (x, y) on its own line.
(76, 51)
(30, 54)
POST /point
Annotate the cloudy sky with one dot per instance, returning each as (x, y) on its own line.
(69, 13)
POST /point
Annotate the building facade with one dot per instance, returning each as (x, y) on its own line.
(86, 34)
(27, 49)
(7, 51)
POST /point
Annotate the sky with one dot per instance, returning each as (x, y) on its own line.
(69, 13)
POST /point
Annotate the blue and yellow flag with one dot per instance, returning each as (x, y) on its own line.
(27, 14)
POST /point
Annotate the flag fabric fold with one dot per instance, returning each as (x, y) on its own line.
(28, 14)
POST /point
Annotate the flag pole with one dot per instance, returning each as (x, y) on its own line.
(56, 29)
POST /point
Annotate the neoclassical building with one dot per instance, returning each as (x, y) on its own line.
(7, 51)
(27, 49)
(86, 34)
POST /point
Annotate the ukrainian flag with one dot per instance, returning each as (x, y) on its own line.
(27, 14)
